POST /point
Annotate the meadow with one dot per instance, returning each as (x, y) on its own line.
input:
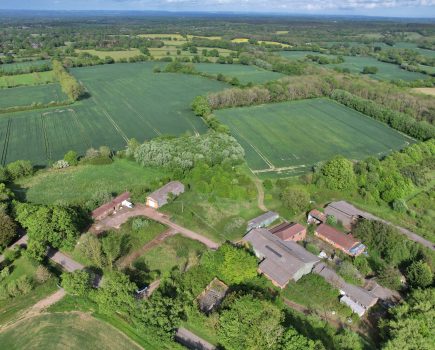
(355, 64)
(64, 330)
(292, 136)
(36, 78)
(125, 101)
(78, 184)
(116, 55)
(26, 95)
(243, 73)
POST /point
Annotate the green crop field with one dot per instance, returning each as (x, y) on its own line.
(413, 46)
(12, 67)
(116, 55)
(36, 78)
(292, 136)
(26, 95)
(71, 331)
(245, 74)
(126, 100)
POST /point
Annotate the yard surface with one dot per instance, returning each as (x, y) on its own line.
(64, 331)
(292, 136)
(78, 184)
(125, 101)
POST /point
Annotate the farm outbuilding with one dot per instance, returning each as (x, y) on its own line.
(211, 297)
(316, 217)
(161, 196)
(263, 220)
(289, 231)
(110, 207)
(281, 261)
(345, 242)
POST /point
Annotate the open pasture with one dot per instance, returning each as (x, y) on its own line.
(125, 101)
(13, 67)
(292, 136)
(244, 73)
(26, 95)
(64, 331)
(36, 78)
(116, 55)
(386, 71)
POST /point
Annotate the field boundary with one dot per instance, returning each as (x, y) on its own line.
(6, 142)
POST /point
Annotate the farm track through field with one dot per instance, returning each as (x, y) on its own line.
(81, 128)
(46, 141)
(6, 142)
(124, 100)
(262, 156)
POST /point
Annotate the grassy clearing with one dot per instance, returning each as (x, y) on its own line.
(413, 46)
(72, 331)
(244, 74)
(273, 43)
(145, 339)
(301, 133)
(79, 184)
(176, 251)
(125, 101)
(426, 91)
(240, 40)
(27, 95)
(37, 78)
(116, 55)
(314, 292)
(218, 218)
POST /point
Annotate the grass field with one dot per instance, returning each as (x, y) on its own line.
(64, 331)
(386, 71)
(413, 46)
(298, 134)
(26, 95)
(12, 67)
(176, 251)
(79, 184)
(36, 78)
(244, 73)
(125, 101)
(116, 55)
(426, 91)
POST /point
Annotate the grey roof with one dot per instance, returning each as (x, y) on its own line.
(357, 294)
(256, 222)
(212, 295)
(161, 195)
(355, 307)
(282, 259)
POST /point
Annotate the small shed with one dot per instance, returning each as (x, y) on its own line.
(316, 217)
(211, 297)
(110, 207)
(263, 220)
(161, 196)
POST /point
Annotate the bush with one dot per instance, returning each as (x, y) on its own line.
(419, 274)
(296, 199)
(71, 157)
(19, 168)
(399, 205)
(139, 223)
(42, 274)
(60, 164)
(8, 230)
(331, 220)
(77, 282)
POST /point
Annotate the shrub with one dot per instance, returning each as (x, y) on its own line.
(60, 164)
(42, 274)
(71, 157)
(19, 168)
(419, 274)
(139, 223)
(296, 199)
(8, 230)
(331, 220)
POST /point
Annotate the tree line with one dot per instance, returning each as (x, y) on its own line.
(70, 86)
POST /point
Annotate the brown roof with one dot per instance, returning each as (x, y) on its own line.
(107, 206)
(338, 237)
(317, 214)
(287, 230)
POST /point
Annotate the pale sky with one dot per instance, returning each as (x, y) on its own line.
(404, 8)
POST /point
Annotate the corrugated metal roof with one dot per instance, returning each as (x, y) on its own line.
(161, 195)
(256, 222)
(338, 237)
